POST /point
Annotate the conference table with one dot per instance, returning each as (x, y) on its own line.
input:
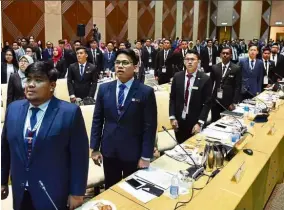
(259, 175)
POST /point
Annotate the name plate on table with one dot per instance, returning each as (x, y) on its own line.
(239, 173)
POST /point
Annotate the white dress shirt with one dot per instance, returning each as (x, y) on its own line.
(227, 66)
(10, 71)
(265, 79)
(275, 58)
(192, 80)
(254, 61)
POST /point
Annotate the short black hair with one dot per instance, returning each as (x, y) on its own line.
(193, 52)
(185, 40)
(130, 53)
(61, 41)
(275, 44)
(227, 48)
(77, 41)
(81, 48)
(15, 43)
(33, 50)
(166, 39)
(43, 68)
(252, 45)
(266, 49)
(109, 42)
(209, 40)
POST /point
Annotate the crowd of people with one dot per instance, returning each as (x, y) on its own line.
(44, 140)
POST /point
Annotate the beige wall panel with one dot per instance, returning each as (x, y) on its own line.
(99, 15)
(195, 21)
(158, 19)
(225, 12)
(132, 20)
(277, 12)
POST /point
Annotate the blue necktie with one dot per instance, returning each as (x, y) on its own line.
(31, 134)
(121, 96)
(252, 65)
(81, 70)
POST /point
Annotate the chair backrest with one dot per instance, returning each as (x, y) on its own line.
(162, 98)
(88, 112)
(61, 90)
(3, 101)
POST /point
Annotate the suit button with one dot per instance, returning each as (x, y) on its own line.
(27, 169)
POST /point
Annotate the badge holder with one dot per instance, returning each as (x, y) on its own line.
(220, 93)
(164, 70)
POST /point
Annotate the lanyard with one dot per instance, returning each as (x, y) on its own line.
(36, 125)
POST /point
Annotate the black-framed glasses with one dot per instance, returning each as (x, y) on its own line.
(123, 63)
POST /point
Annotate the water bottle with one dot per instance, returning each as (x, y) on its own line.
(246, 112)
(174, 188)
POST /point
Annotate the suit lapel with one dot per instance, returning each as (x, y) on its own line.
(45, 125)
(112, 98)
(195, 84)
(22, 119)
(130, 95)
(181, 84)
(19, 81)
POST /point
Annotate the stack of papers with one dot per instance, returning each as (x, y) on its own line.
(178, 154)
(218, 136)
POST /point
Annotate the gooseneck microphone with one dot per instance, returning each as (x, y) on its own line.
(242, 128)
(266, 107)
(45, 191)
(165, 129)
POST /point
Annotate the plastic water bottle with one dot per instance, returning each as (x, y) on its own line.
(174, 188)
(246, 112)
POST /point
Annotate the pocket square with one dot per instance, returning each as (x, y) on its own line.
(135, 100)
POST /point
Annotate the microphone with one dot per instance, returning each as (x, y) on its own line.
(49, 198)
(236, 119)
(196, 171)
(263, 110)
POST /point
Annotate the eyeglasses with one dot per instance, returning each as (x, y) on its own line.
(123, 63)
(190, 59)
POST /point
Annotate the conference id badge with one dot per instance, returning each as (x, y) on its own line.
(150, 60)
(210, 63)
(265, 80)
(219, 93)
(183, 115)
(164, 70)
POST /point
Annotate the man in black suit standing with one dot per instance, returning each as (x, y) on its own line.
(65, 53)
(269, 68)
(82, 77)
(148, 55)
(95, 56)
(278, 60)
(190, 98)
(164, 69)
(227, 79)
(208, 56)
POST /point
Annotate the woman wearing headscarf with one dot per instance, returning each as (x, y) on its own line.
(9, 66)
(59, 62)
(16, 84)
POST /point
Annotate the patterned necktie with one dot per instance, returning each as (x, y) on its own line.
(120, 97)
(223, 71)
(81, 70)
(187, 89)
(30, 133)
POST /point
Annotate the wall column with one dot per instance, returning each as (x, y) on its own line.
(158, 19)
(132, 21)
(99, 16)
(53, 21)
(195, 20)
(179, 19)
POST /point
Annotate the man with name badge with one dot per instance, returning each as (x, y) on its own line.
(226, 78)
(190, 98)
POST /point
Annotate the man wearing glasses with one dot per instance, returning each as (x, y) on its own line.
(227, 79)
(190, 98)
(21, 51)
(124, 122)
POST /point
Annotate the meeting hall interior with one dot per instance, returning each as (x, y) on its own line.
(142, 105)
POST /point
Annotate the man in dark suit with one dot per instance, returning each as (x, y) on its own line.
(227, 79)
(82, 77)
(190, 98)
(181, 55)
(148, 55)
(95, 56)
(66, 53)
(278, 60)
(47, 52)
(252, 74)
(235, 53)
(198, 47)
(109, 58)
(44, 140)
(164, 69)
(124, 122)
(208, 56)
(269, 68)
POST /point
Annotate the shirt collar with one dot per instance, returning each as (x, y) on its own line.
(21, 74)
(42, 107)
(251, 59)
(227, 65)
(84, 64)
(193, 74)
(265, 60)
(127, 84)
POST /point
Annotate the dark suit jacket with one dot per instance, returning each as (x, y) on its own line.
(130, 135)
(85, 87)
(205, 58)
(109, 63)
(200, 99)
(146, 56)
(15, 90)
(59, 157)
(45, 55)
(69, 57)
(200, 48)
(252, 80)
(272, 77)
(61, 67)
(98, 61)
(279, 69)
(4, 72)
(160, 63)
(231, 83)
